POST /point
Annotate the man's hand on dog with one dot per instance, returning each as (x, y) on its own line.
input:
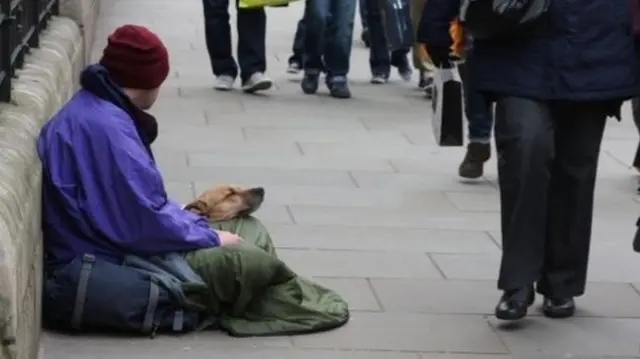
(227, 238)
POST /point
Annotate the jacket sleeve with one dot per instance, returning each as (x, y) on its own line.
(437, 16)
(125, 198)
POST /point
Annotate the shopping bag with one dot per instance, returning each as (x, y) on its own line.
(397, 24)
(250, 4)
(447, 105)
(636, 237)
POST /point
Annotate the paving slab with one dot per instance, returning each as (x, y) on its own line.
(362, 200)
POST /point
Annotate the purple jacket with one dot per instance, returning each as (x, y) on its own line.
(102, 191)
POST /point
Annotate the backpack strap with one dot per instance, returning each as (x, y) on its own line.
(178, 321)
(81, 293)
(154, 297)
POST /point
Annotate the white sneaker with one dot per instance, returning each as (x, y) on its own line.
(257, 82)
(224, 83)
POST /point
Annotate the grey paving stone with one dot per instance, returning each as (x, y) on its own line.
(176, 117)
(245, 148)
(273, 214)
(420, 182)
(471, 356)
(206, 177)
(381, 239)
(352, 137)
(180, 191)
(595, 337)
(480, 297)
(410, 332)
(475, 202)
(205, 352)
(288, 162)
(429, 218)
(468, 266)
(356, 291)
(354, 197)
(346, 122)
(392, 151)
(352, 264)
(169, 158)
(197, 138)
(222, 104)
(58, 346)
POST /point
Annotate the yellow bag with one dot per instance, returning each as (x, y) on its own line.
(252, 4)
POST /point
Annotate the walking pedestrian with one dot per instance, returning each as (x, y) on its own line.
(380, 58)
(554, 85)
(329, 34)
(251, 25)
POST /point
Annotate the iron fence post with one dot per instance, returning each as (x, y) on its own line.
(21, 22)
(5, 50)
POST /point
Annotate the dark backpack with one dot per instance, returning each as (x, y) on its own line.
(490, 19)
(140, 296)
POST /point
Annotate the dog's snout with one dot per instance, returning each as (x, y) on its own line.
(258, 191)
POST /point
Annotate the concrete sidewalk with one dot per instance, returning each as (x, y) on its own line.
(360, 198)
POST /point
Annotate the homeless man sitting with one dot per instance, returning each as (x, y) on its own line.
(122, 257)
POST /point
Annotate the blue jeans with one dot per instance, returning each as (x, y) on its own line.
(380, 59)
(298, 43)
(478, 108)
(329, 32)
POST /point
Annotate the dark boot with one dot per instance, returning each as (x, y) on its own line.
(513, 304)
(558, 307)
(472, 165)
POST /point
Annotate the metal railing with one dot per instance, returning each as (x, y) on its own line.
(21, 22)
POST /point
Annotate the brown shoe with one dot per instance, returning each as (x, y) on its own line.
(472, 165)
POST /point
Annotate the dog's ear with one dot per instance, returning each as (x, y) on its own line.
(198, 206)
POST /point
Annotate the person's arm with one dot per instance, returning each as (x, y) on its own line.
(125, 198)
(435, 23)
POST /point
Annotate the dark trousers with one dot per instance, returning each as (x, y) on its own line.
(547, 162)
(298, 43)
(478, 108)
(251, 39)
(635, 103)
(362, 7)
(329, 32)
(380, 59)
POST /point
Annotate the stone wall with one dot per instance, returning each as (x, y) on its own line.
(47, 80)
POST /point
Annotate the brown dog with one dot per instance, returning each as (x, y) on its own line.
(224, 202)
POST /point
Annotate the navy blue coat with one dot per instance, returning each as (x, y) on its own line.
(583, 50)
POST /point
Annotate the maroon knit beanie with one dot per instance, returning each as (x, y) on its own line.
(136, 58)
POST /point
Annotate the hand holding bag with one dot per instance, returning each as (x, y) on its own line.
(447, 105)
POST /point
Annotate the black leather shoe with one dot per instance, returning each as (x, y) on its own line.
(513, 304)
(558, 307)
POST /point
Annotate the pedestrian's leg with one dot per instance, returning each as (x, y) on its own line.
(635, 103)
(316, 16)
(295, 61)
(421, 61)
(252, 56)
(400, 60)
(362, 7)
(218, 38)
(339, 39)
(479, 113)
(379, 59)
(579, 131)
(524, 138)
